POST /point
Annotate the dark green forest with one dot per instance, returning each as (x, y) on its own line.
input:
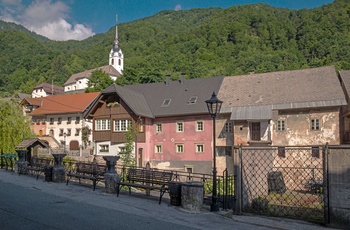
(199, 42)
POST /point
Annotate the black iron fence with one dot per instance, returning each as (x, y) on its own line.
(282, 181)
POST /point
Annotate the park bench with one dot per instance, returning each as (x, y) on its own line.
(88, 171)
(146, 179)
(37, 166)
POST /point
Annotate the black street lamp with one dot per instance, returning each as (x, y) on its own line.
(214, 106)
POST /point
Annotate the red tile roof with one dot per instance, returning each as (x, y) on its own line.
(60, 104)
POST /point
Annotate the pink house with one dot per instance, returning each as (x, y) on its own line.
(173, 126)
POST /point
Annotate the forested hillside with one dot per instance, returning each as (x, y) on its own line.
(199, 42)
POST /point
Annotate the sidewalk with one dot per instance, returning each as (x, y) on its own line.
(148, 206)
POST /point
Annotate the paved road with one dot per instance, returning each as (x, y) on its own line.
(26, 203)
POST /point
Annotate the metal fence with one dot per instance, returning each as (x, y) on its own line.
(282, 181)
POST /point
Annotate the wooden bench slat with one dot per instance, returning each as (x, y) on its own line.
(90, 171)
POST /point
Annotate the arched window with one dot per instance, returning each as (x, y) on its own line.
(112, 61)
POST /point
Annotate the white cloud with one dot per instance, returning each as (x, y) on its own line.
(178, 7)
(45, 17)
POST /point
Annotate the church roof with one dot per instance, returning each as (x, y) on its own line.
(110, 70)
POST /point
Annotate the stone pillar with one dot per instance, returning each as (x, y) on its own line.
(58, 174)
(111, 176)
(21, 164)
(192, 196)
(111, 181)
(58, 171)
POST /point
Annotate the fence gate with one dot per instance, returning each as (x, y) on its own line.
(282, 181)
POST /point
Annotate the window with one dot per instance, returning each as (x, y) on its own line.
(52, 120)
(315, 152)
(192, 100)
(69, 132)
(179, 148)
(166, 102)
(179, 127)
(158, 148)
(77, 120)
(59, 120)
(159, 128)
(315, 124)
(189, 169)
(282, 152)
(199, 148)
(223, 151)
(122, 149)
(102, 124)
(228, 127)
(281, 125)
(61, 132)
(69, 120)
(199, 126)
(104, 148)
(77, 132)
(255, 135)
(141, 126)
(122, 125)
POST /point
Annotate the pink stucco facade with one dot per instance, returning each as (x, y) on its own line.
(169, 137)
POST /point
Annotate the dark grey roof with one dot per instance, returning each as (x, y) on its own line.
(345, 77)
(316, 87)
(133, 99)
(179, 93)
(262, 112)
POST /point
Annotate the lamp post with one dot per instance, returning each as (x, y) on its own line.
(214, 106)
(64, 135)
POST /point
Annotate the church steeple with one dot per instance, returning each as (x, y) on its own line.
(116, 39)
(116, 57)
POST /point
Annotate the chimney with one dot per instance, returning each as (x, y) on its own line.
(182, 78)
(167, 80)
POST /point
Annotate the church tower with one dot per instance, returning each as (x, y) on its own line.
(116, 57)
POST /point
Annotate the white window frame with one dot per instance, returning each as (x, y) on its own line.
(103, 148)
(102, 124)
(315, 124)
(180, 127)
(179, 148)
(159, 128)
(281, 125)
(158, 148)
(199, 148)
(122, 125)
(199, 126)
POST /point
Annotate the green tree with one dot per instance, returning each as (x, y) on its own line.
(14, 127)
(126, 155)
(98, 81)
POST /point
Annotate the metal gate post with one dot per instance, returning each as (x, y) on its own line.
(237, 161)
(326, 185)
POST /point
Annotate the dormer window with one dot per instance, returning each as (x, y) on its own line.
(192, 100)
(166, 102)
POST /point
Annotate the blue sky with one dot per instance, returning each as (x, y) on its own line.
(79, 19)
